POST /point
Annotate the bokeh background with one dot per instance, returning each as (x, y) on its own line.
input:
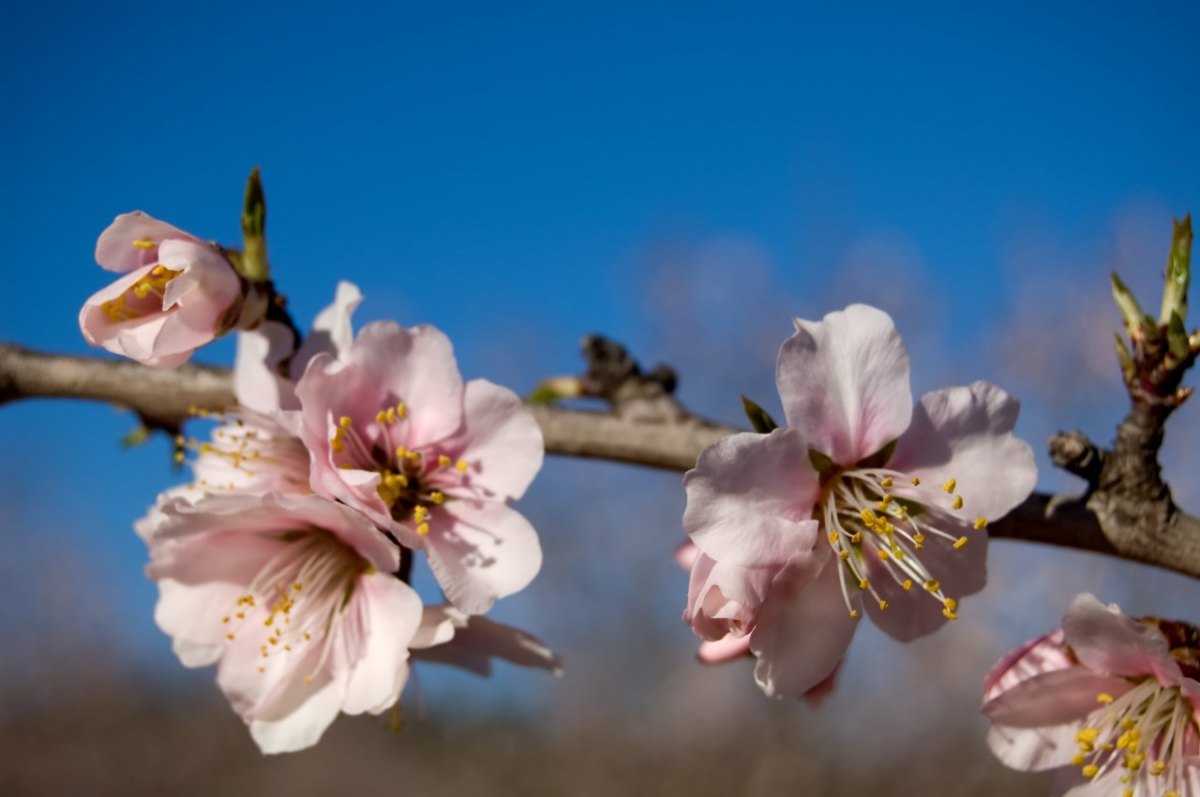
(683, 177)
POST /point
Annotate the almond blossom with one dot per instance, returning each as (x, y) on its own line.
(394, 432)
(1110, 701)
(864, 501)
(296, 601)
(471, 642)
(177, 293)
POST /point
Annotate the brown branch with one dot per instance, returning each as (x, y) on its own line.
(670, 444)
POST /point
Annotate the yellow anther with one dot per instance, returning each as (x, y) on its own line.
(868, 517)
(1157, 768)
(1087, 735)
(225, 619)
(461, 466)
(308, 679)
(884, 555)
(949, 485)
(949, 615)
(886, 481)
(957, 503)
(959, 543)
(422, 529)
(854, 612)
(844, 554)
(932, 585)
(401, 410)
(381, 417)
(337, 444)
(1105, 698)
(401, 452)
(980, 523)
(142, 243)
(419, 513)
(863, 583)
(907, 584)
(178, 457)
(345, 421)
(241, 615)
(1090, 771)
(883, 605)
(834, 537)
(230, 637)
(437, 497)
(915, 481)
(883, 502)
(307, 636)
(856, 537)
(414, 457)
(950, 604)
(1078, 760)
(297, 586)
(262, 669)
(919, 538)
(444, 461)
(898, 552)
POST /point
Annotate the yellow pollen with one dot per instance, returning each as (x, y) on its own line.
(884, 555)
(932, 585)
(883, 605)
(419, 513)
(1105, 698)
(915, 481)
(307, 636)
(443, 461)
(1087, 735)
(919, 538)
(422, 529)
(381, 417)
(401, 410)
(1078, 760)
(886, 481)
(345, 421)
(225, 619)
(461, 466)
(869, 517)
(241, 615)
(907, 585)
(949, 615)
(262, 669)
(308, 679)
(1090, 771)
(178, 457)
(438, 498)
(401, 452)
(958, 502)
(950, 604)
(142, 243)
(960, 542)
(854, 612)
(883, 502)
(980, 523)
(229, 637)
(950, 485)
(834, 537)
(844, 554)
(863, 584)
(390, 415)
(856, 537)
(297, 586)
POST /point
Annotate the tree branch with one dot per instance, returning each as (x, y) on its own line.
(670, 441)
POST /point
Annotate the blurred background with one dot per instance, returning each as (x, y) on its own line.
(684, 178)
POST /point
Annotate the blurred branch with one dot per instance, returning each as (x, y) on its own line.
(670, 441)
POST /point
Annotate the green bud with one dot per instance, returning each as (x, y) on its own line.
(137, 436)
(760, 420)
(1178, 347)
(1128, 369)
(1136, 322)
(550, 391)
(821, 463)
(880, 457)
(253, 265)
(1179, 262)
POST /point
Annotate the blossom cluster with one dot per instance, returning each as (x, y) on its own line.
(287, 562)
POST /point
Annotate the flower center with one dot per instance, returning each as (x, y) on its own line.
(411, 481)
(135, 302)
(244, 455)
(1142, 732)
(888, 515)
(298, 595)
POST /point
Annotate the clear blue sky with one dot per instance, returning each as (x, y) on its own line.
(500, 169)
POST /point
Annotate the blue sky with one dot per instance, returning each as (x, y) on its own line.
(512, 174)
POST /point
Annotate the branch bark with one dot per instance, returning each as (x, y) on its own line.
(669, 442)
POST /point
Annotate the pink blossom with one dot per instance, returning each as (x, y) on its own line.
(395, 433)
(1112, 702)
(294, 598)
(863, 499)
(176, 293)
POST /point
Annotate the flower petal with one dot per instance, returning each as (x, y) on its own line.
(480, 551)
(115, 250)
(416, 365)
(724, 599)
(1034, 749)
(1053, 698)
(726, 649)
(478, 640)
(965, 434)
(1107, 641)
(499, 439)
(332, 332)
(803, 628)
(1043, 654)
(256, 380)
(844, 382)
(390, 611)
(750, 499)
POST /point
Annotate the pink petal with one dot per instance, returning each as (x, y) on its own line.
(1107, 641)
(1052, 698)
(499, 438)
(391, 612)
(803, 628)
(480, 551)
(750, 499)
(437, 625)
(1043, 654)
(256, 380)
(304, 713)
(965, 433)
(844, 382)
(115, 250)
(720, 651)
(416, 365)
(724, 599)
(686, 553)
(1071, 783)
(913, 613)
(331, 331)
(476, 641)
(1034, 749)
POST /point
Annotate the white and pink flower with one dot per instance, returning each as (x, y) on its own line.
(296, 600)
(177, 293)
(395, 433)
(864, 499)
(1112, 702)
(471, 642)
